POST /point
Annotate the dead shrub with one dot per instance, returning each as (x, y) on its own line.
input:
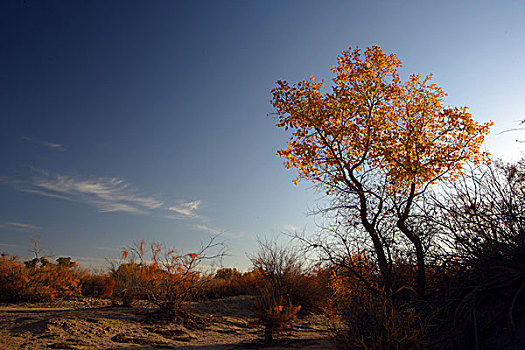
(311, 290)
(279, 270)
(161, 275)
(226, 282)
(273, 310)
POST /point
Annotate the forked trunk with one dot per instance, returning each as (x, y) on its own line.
(420, 258)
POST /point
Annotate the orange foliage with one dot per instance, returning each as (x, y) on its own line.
(108, 288)
(230, 282)
(160, 275)
(38, 282)
(372, 119)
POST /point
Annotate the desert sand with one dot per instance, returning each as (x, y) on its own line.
(97, 324)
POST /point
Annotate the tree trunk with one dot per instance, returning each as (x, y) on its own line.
(383, 262)
(420, 277)
(420, 258)
(268, 334)
(384, 267)
(416, 241)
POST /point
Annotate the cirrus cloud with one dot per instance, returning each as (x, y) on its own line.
(106, 194)
(186, 209)
(19, 226)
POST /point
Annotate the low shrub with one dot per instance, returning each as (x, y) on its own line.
(279, 274)
(229, 282)
(39, 280)
(273, 309)
(161, 275)
(96, 285)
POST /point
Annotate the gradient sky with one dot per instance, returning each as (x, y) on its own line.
(123, 120)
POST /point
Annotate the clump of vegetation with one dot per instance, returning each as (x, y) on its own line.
(365, 316)
(229, 282)
(97, 285)
(481, 221)
(160, 275)
(38, 279)
(278, 297)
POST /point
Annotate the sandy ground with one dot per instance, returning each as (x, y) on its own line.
(96, 324)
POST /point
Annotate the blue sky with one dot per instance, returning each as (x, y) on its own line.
(124, 120)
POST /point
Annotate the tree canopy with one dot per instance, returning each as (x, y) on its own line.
(373, 118)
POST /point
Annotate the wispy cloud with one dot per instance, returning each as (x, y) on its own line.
(186, 209)
(106, 194)
(215, 231)
(206, 228)
(19, 226)
(53, 145)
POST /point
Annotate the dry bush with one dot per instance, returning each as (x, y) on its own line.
(482, 306)
(229, 282)
(95, 285)
(11, 279)
(161, 275)
(481, 295)
(280, 270)
(366, 317)
(38, 279)
(227, 274)
(274, 310)
(129, 283)
(311, 291)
